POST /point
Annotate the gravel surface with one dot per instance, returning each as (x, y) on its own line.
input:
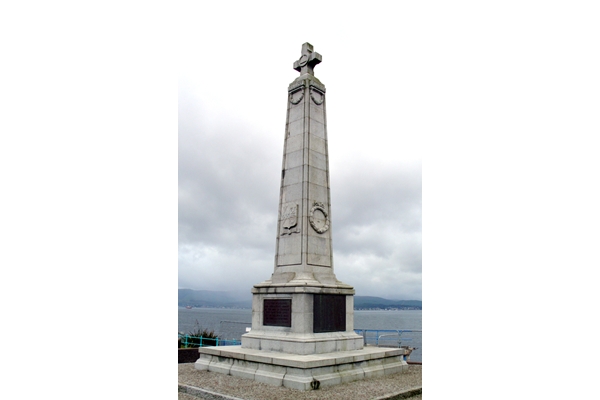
(185, 396)
(250, 390)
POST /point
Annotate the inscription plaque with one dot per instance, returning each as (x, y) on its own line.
(277, 312)
(329, 313)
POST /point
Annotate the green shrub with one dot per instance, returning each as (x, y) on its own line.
(209, 338)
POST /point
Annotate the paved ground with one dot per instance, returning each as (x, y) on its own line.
(368, 389)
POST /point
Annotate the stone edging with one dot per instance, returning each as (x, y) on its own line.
(208, 395)
(405, 394)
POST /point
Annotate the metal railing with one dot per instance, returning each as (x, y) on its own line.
(397, 336)
(381, 337)
(188, 341)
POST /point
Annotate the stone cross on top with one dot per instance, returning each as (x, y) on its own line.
(308, 60)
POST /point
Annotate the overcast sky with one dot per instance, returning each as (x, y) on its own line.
(233, 81)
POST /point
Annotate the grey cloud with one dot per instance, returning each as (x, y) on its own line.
(378, 211)
(227, 184)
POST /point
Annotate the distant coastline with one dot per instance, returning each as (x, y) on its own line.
(389, 309)
(355, 309)
(234, 300)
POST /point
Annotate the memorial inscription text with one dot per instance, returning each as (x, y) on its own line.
(277, 312)
(329, 313)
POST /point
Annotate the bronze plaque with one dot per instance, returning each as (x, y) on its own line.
(277, 312)
(329, 313)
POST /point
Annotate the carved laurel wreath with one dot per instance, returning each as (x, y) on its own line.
(320, 94)
(311, 218)
(299, 99)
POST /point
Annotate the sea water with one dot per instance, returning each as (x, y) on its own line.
(231, 324)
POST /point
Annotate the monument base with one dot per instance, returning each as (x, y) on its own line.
(302, 320)
(302, 344)
(302, 372)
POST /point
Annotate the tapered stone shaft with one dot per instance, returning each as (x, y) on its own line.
(304, 248)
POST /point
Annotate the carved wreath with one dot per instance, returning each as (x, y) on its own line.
(297, 99)
(320, 96)
(311, 218)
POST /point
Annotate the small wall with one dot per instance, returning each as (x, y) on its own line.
(188, 355)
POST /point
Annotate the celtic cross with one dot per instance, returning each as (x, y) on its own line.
(308, 60)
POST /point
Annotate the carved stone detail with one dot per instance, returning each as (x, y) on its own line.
(318, 86)
(290, 220)
(316, 95)
(308, 60)
(303, 60)
(297, 84)
(311, 218)
(297, 95)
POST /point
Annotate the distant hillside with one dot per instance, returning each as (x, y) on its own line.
(209, 298)
(366, 302)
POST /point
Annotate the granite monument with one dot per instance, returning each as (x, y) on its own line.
(302, 332)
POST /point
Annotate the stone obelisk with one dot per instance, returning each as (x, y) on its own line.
(302, 332)
(303, 253)
(303, 308)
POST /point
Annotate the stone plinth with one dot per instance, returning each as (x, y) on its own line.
(300, 337)
(302, 372)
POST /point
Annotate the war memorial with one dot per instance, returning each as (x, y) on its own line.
(302, 334)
